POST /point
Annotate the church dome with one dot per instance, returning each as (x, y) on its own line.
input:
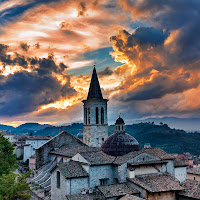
(120, 143)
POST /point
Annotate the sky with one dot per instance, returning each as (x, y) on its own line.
(146, 52)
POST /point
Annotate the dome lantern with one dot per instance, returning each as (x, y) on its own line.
(119, 125)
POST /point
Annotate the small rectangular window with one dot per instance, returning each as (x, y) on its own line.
(58, 179)
(103, 181)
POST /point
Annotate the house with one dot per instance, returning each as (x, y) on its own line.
(180, 169)
(159, 186)
(9, 136)
(193, 173)
(32, 143)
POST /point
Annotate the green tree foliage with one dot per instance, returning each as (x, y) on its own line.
(12, 186)
(7, 157)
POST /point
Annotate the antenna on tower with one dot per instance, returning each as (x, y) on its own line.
(95, 64)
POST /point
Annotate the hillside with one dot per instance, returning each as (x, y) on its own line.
(6, 128)
(187, 124)
(162, 136)
(171, 140)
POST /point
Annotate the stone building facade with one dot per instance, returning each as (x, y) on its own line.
(95, 128)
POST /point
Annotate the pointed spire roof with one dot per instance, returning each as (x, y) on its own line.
(94, 90)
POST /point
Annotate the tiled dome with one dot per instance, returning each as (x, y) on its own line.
(120, 143)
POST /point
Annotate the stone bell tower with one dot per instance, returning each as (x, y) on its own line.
(95, 128)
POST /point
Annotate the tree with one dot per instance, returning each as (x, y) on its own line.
(7, 157)
(12, 186)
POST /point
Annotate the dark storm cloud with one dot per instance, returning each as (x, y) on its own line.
(158, 87)
(163, 60)
(147, 36)
(24, 91)
(24, 46)
(172, 15)
(82, 9)
(106, 72)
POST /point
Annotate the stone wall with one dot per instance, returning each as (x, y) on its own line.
(62, 139)
(58, 193)
(161, 196)
(181, 173)
(75, 185)
(193, 176)
(94, 134)
(101, 172)
(170, 167)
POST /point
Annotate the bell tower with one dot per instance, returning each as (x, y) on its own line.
(95, 127)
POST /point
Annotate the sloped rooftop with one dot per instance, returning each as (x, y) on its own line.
(191, 189)
(71, 151)
(158, 182)
(157, 152)
(117, 190)
(97, 158)
(195, 171)
(130, 197)
(72, 169)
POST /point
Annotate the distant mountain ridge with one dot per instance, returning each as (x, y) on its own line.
(187, 124)
(158, 135)
(24, 128)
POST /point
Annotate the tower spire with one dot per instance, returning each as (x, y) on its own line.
(94, 90)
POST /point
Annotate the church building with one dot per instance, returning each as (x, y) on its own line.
(95, 126)
(105, 167)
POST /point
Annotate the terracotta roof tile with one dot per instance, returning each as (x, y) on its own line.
(191, 189)
(71, 151)
(130, 197)
(195, 171)
(158, 182)
(117, 190)
(72, 169)
(157, 152)
(97, 158)
(179, 163)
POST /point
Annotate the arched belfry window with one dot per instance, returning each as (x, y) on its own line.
(58, 179)
(102, 115)
(86, 116)
(97, 115)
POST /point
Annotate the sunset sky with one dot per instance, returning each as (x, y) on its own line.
(147, 55)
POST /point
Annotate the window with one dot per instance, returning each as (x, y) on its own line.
(194, 178)
(86, 116)
(102, 139)
(116, 180)
(97, 115)
(102, 116)
(119, 127)
(103, 181)
(58, 179)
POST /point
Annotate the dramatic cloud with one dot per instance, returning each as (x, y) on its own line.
(49, 48)
(32, 85)
(162, 59)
